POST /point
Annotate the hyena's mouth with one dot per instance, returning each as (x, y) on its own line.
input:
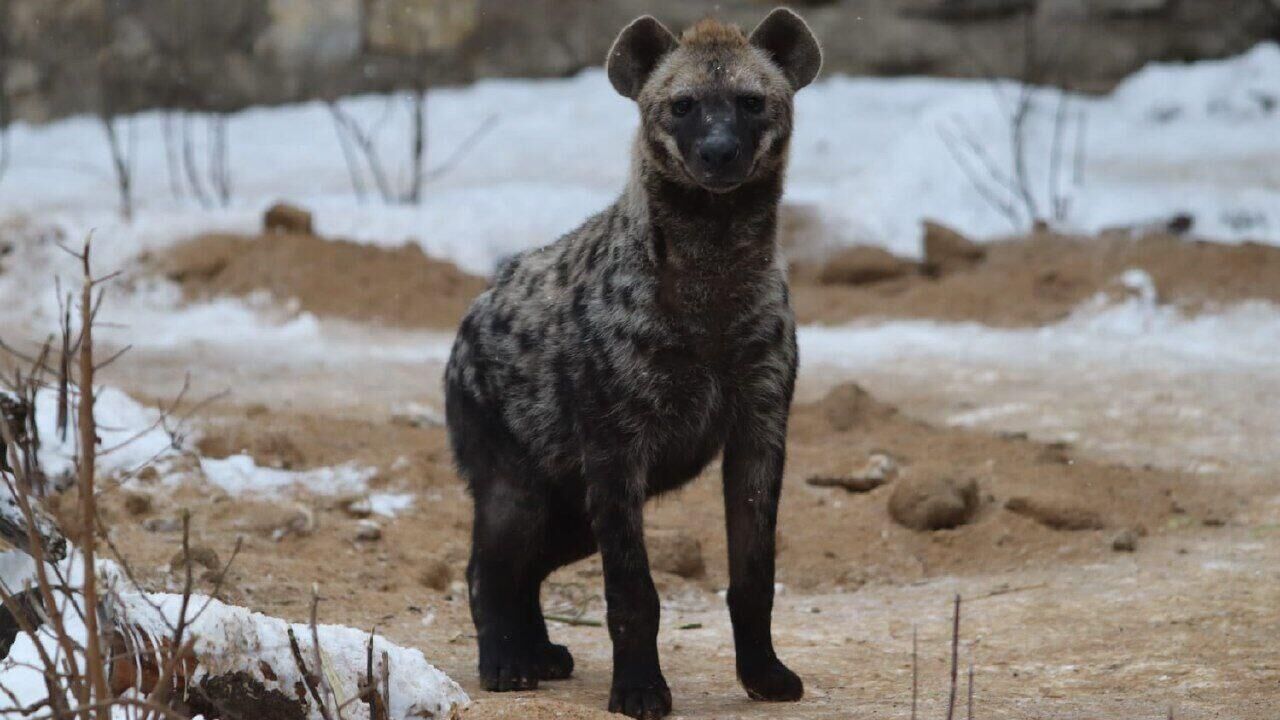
(719, 184)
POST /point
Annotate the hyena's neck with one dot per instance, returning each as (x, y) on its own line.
(695, 230)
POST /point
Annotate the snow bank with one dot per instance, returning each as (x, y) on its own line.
(1137, 332)
(868, 153)
(131, 435)
(229, 639)
(869, 157)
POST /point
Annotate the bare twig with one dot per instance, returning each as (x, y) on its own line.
(88, 507)
(970, 715)
(955, 659)
(915, 671)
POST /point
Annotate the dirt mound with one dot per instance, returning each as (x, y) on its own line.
(1023, 282)
(400, 287)
(1041, 279)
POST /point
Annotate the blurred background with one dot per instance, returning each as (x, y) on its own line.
(69, 56)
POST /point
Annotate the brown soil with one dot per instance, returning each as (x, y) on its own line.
(1021, 282)
(400, 287)
(830, 541)
(1038, 280)
(1059, 624)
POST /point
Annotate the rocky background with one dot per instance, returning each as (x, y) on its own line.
(59, 57)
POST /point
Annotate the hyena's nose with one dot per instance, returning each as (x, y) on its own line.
(717, 152)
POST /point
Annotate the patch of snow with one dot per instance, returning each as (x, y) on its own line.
(240, 475)
(228, 639)
(390, 504)
(131, 435)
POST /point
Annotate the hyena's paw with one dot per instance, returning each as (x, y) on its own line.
(644, 703)
(507, 667)
(555, 662)
(771, 681)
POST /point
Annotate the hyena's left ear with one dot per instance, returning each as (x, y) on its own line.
(635, 54)
(787, 40)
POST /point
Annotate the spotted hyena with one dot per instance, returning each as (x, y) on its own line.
(614, 364)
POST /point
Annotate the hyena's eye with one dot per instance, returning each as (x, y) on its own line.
(681, 107)
(751, 103)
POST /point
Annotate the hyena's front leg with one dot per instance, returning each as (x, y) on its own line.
(753, 460)
(616, 503)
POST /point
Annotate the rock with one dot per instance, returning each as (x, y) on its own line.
(286, 218)
(848, 405)
(436, 574)
(947, 251)
(136, 503)
(933, 503)
(675, 552)
(1125, 541)
(863, 265)
(358, 507)
(1055, 516)
(368, 531)
(1055, 453)
(162, 524)
(200, 555)
(878, 470)
(301, 521)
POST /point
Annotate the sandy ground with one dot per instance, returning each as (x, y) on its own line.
(1056, 624)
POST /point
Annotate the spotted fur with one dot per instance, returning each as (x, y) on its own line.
(617, 362)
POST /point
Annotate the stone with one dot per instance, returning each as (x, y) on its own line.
(136, 503)
(358, 507)
(286, 218)
(162, 524)
(411, 28)
(863, 265)
(934, 503)
(675, 552)
(1054, 515)
(878, 470)
(200, 556)
(947, 251)
(368, 531)
(1125, 541)
(848, 405)
(436, 574)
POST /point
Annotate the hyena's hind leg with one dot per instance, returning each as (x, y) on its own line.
(568, 538)
(503, 580)
(519, 538)
(508, 533)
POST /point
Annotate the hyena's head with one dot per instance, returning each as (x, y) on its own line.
(715, 104)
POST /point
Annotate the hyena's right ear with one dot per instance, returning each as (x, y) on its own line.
(635, 54)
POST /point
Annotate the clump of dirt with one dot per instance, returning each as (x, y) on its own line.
(1042, 278)
(848, 406)
(399, 287)
(933, 503)
(1056, 516)
(947, 251)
